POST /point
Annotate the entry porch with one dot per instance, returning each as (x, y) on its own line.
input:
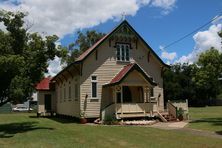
(130, 101)
(129, 94)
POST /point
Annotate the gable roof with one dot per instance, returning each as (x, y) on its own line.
(43, 84)
(85, 54)
(125, 71)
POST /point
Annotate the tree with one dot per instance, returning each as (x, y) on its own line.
(206, 78)
(178, 83)
(196, 82)
(82, 43)
(23, 58)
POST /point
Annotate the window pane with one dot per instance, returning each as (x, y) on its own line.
(76, 91)
(151, 92)
(127, 53)
(118, 97)
(64, 93)
(60, 93)
(118, 53)
(69, 92)
(93, 77)
(122, 53)
(94, 89)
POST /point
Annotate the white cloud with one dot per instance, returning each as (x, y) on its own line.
(217, 19)
(54, 66)
(167, 5)
(169, 56)
(63, 17)
(204, 40)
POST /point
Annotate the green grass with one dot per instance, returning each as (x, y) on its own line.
(206, 118)
(24, 130)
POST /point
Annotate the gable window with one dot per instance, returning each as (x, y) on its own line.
(94, 87)
(122, 52)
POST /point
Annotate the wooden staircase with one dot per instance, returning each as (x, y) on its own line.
(168, 117)
(170, 114)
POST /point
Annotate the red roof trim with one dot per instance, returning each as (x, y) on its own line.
(125, 71)
(122, 73)
(43, 84)
(88, 51)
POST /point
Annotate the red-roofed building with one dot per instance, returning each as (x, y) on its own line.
(119, 76)
(43, 85)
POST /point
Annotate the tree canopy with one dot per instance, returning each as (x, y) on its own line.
(198, 82)
(84, 41)
(23, 57)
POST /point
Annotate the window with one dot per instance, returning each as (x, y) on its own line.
(118, 97)
(69, 91)
(60, 93)
(64, 92)
(122, 52)
(94, 86)
(151, 92)
(76, 91)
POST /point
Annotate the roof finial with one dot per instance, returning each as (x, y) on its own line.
(124, 16)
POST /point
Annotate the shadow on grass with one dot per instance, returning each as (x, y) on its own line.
(60, 119)
(219, 132)
(64, 120)
(213, 121)
(11, 129)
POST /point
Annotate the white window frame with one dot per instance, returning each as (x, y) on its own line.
(122, 52)
(94, 81)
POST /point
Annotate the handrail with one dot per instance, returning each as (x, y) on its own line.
(109, 110)
(172, 110)
(161, 117)
(107, 106)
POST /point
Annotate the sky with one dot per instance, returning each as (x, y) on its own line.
(159, 22)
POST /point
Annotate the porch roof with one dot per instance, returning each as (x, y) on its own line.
(126, 70)
(44, 84)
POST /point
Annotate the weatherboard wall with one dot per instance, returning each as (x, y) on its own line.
(67, 105)
(105, 67)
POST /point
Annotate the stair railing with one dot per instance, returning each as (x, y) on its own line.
(172, 110)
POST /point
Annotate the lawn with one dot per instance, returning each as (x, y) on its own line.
(25, 130)
(206, 118)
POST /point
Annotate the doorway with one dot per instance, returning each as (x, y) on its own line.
(127, 95)
(48, 103)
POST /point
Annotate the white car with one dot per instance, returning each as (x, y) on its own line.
(21, 109)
